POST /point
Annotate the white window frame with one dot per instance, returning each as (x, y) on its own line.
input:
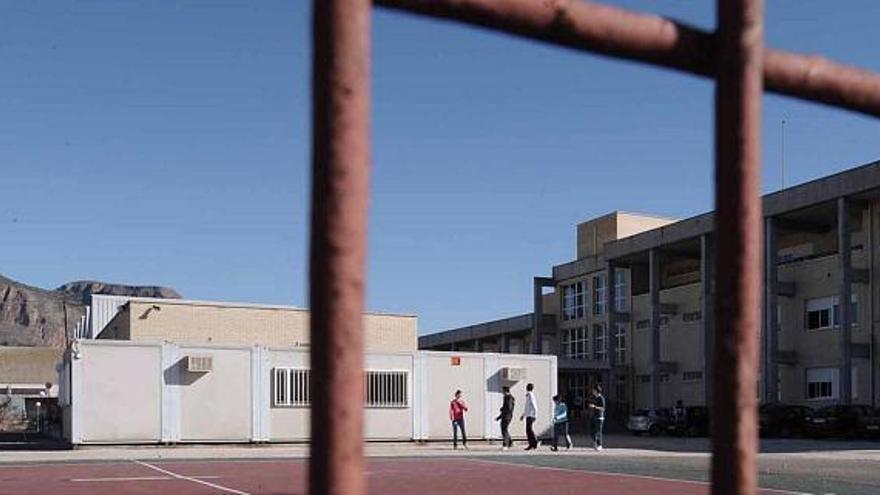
(600, 342)
(621, 296)
(600, 294)
(620, 330)
(574, 301)
(822, 375)
(832, 305)
(291, 387)
(575, 343)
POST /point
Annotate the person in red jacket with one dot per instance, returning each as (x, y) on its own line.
(457, 408)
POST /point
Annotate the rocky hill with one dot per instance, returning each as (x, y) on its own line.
(30, 316)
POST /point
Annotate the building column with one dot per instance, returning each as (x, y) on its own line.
(505, 343)
(610, 316)
(844, 298)
(707, 279)
(771, 307)
(654, 291)
(478, 345)
(538, 285)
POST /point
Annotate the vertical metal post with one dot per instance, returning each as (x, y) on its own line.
(654, 291)
(738, 245)
(708, 313)
(771, 320)
(844, 246)
(340, 191)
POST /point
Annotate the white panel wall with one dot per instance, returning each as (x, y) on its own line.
(125, 392)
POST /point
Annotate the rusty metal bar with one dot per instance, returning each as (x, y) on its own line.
(739, 247)
(655, 40)
(340, 190)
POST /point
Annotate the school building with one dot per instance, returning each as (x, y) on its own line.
(634, 309)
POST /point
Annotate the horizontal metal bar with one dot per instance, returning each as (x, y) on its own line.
(654, 40)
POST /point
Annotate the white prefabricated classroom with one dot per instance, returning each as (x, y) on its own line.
(138, 392)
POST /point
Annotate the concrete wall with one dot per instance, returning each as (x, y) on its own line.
(193, 322)
(130, 392)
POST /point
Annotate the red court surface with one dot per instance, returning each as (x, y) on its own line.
(385, 476)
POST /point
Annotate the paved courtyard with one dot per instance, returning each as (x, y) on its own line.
(630, 465)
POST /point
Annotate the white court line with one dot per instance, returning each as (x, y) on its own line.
(639, 476)
(190, 478)
(135, 478)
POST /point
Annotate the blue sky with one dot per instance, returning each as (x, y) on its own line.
(168, 143)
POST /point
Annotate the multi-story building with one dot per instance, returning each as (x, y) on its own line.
(634, 310)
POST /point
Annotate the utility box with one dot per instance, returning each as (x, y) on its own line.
(199, 363)
(509, 374)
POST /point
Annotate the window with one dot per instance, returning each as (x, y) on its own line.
(693, 316)
(573, 301)
(664, 378)
(385, 389)
(692, 376)
(642, 324)
(643, 378)
(292, 387)
(824, 312)
(599, 294)
(664, 322)
(600, 343)
(620, 389)
(620, 342)
(822, 383)
(575, 343)
(620, 294)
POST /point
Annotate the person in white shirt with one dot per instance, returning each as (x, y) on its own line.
(530, 413)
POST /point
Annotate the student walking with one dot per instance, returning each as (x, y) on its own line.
(505, 417)
(597, 404)
(530, 414)
(457, 408)
(560, 424)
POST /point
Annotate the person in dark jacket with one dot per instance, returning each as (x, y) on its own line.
(597, 404)
(505, 417)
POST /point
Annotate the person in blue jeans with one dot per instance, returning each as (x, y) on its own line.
(457, 408)
(597, 404)
(560, 424)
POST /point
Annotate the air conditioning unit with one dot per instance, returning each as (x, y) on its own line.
(513, 374)
(199, 364)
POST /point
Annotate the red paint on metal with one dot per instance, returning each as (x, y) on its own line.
(738, 224)
(655, 40)
(340, 191)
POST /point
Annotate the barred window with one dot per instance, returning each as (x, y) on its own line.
(692, 376)
(292, 387)
(641, 324)
(385, 389)
(643, 378)
(693, 316)
(664, 378)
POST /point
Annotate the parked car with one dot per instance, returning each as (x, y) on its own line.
(784, 420)
(837, 421)
(650, 421)
(869, 425)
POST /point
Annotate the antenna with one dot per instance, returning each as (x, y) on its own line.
(783, 154)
